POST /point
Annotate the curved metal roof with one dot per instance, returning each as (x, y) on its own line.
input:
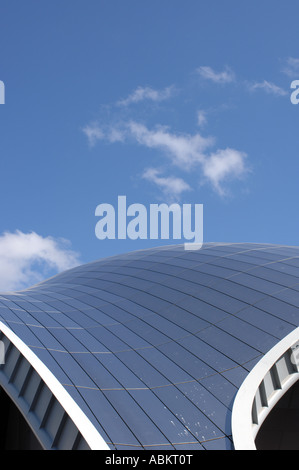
(153, 345)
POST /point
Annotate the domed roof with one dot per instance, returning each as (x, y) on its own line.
(153, 345)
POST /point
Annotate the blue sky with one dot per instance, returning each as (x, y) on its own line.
(156, 100)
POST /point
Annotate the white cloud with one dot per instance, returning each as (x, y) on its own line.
(171, 186)
(28, 258)
(201, 118)
(226, 76)
(94, 133)
(224, 165)
(268, 87)
(292, 67)
(191, 151)
(147, 93)
(185, 151)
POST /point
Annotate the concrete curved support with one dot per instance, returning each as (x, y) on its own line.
(54, 417)
(270, 379)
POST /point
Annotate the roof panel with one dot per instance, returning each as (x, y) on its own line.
(229, 345)
(208, 404)
(190, 363)
(153, 345)
(147, 373)
(116, 429)
(196, 422)
(171, 427)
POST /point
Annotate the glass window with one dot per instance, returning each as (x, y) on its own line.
(222, 301)
(151, 302)
(165, 365)
(249, 334)
(236, 376)
(205, 311)
(286, 269)
(289, 295)
(147, 332)
(215, 359)
(126, 378)
(189, 446)
(150, 376)
(197, 277)
(109, 340)
(292, 262)
(163, 268)
(188, 321)
(251, 364)
(93, 368)
(265, 321)
(135, 309)
(221, 388)
(235, 349)
(135, 418)
(269, 255)
(47, 358)
(113, 314)
(171, 427)
(76, 375)
(134, 340)
(87, 338)
(170, 295)
(168, 328)
(280, 309)
(178, 284)
(219, 444)
(252, 281)
(218, 413)
(26, 335)
(274, 276)
(233, 289)
(67, 341)
(250, 259)
(47, 338)
(190, 363)
(233, 264)
(192, 418)
(113, 424)
(9, 315)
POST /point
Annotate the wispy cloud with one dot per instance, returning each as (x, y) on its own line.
(27, 258)
(93, 133)
(191, 152)
(291, 67)
(147, 93)
(201, 118)
(225, 76)
(184, 150)
(188, 152)
(224, 165)
(268, 87)
(111, 133)
(171, 186)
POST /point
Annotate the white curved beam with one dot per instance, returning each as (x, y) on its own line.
(247, 415)
(91, 435)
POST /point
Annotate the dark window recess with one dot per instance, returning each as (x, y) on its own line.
(15, 434)
(280, 431)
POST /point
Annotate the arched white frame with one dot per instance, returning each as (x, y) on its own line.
(91, 435)
(265, 385)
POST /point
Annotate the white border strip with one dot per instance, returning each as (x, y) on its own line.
(83, 424)
(242, 427)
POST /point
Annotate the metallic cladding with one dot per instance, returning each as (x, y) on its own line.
(153, 345)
